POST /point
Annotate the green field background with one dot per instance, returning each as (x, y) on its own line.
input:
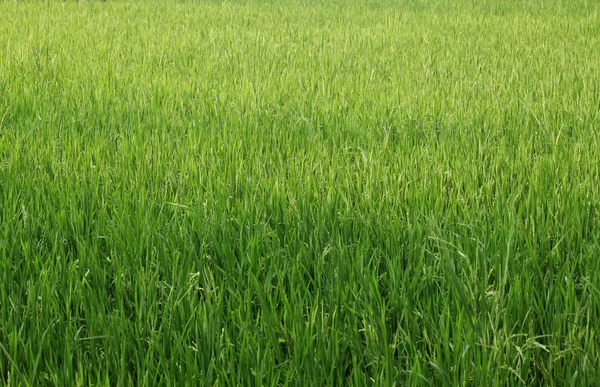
(300, 193)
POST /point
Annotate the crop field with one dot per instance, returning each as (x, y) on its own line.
(300, 193)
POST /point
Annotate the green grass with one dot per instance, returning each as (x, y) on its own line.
(303, 193)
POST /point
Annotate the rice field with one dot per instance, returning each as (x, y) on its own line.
(300, 193)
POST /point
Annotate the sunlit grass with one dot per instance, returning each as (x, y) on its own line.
(305, 193)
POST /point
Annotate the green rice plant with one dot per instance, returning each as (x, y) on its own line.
(303, 192)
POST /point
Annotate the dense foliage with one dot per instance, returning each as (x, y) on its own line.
(300, 193)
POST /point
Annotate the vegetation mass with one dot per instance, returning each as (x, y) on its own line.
(300, 192)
